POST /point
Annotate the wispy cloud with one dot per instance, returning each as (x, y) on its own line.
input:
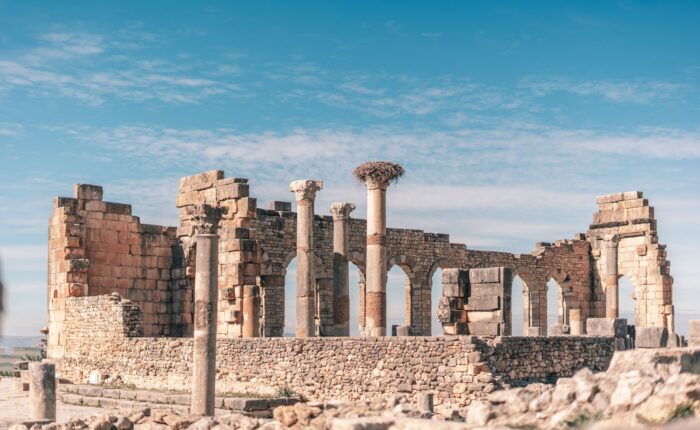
(89, 68)
(634, 91)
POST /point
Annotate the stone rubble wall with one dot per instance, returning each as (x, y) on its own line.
(457, 369)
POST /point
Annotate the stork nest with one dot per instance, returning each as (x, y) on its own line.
(379, 171)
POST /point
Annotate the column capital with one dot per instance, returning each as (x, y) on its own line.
(205, 218)
(612, 240)
(305, 189)
(341, 210)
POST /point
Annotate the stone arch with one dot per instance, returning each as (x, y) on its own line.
(408, 266)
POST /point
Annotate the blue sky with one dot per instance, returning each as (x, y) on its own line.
(509, 118)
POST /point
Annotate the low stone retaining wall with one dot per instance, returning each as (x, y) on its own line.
(456, 369)
(121, 398)
(101, 335)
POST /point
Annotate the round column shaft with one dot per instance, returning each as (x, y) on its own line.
(42, 391)
(205, 219)
(610, 279)
(341, 274)
(375, 302)
(376, 175)
(305, 193)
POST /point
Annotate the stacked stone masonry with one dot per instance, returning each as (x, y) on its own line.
(457, 369)
(476, 301)
(98, 247)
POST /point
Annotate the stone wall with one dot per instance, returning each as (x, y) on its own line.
(98, 247)
(458, 369)
(625, 242)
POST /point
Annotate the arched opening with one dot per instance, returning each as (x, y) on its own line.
(398, 291)
(626, 300)
(555, 311)
(356, 278)
(290, 299)
(435, 293)
(518, 306)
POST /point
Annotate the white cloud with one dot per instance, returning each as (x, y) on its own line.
(635, 91)
(88, 68)
(24, 257)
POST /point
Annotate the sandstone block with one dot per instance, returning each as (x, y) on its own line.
(616, 327)
(87, 192)
(452, 290)
(484, 328)
(280, 206)
(651, 337)
(201, 180)
(484, 290)
(674, 341)
(243, 404)
(489, 303)
(694, 333)
(233, 191)
(489, 275)
(454, 276)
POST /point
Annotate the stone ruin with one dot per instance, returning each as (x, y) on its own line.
(144, 276)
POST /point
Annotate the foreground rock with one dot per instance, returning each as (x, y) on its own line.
(641, 387)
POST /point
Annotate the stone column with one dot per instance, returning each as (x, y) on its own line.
(341, 274)
(610, 278)
(376, 175)
(42, 391)
(205, 219)
(251, 314)
(305, 193)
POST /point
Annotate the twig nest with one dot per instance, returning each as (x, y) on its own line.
(379, 172)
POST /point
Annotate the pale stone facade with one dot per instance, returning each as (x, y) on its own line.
(97, 247)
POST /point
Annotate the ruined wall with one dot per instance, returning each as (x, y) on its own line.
(457, 369)
(419, 254)
(238, 269)
(98, 247)
(625, 242)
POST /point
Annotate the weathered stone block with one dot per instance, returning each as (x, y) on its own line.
(674, 341)
(242, 404)
(651, 337)
(454, 276)
(616, 327)
(452, 290)
(87, 192)
(559, 330)
(489, 275)
(280, 206)
(201, 180)
(484, 328)
(490, 303)
(694, 333)
(484, 290)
